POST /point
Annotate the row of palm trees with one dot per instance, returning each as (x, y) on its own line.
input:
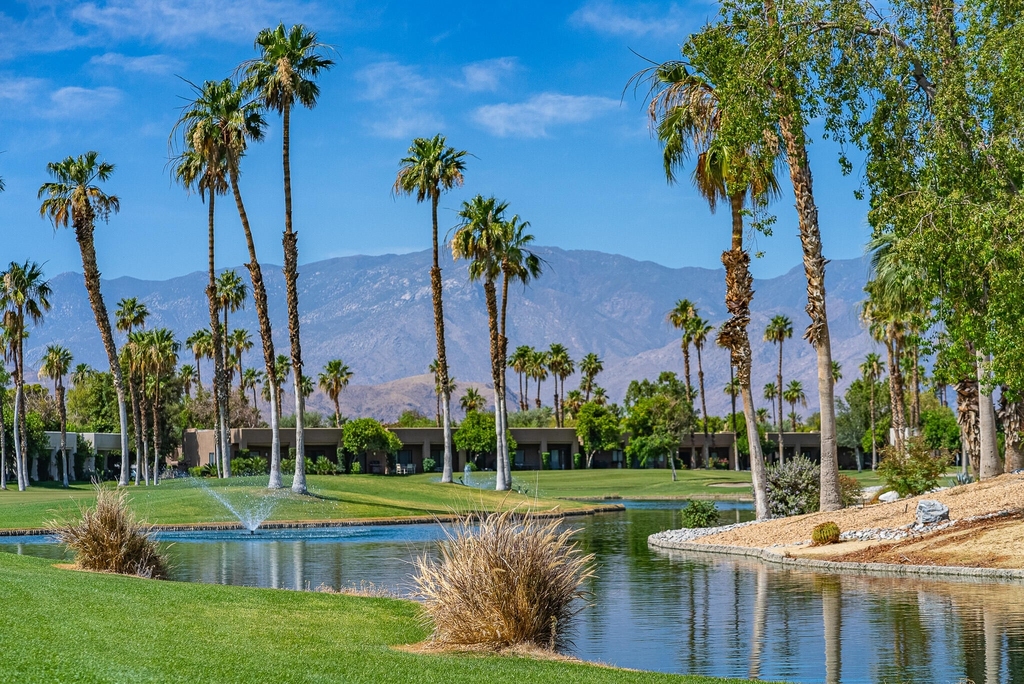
(536, 365)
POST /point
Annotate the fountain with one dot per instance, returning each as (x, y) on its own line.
(251, 512)
(466, 472)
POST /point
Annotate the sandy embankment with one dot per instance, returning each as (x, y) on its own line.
(997, 542)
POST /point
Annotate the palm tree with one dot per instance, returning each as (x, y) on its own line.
(434, 369)
(478, 240)
(282, 367)
(238, 121)
(200, 167)
(733, 389)
(699, 332)
(794, 394)
(431, 168)
(538, 370)
(187, 375)
(871, 371)
(573, 403)
(231, 293)
(762, 415)
(472, 401)
(561, 366)
(771, 392)
(306, 386)
(251, 379)
(81, 373)
(520, 265)
(162, 351)
(201, 344)
(24, 293)
(680, 317)
(837, 371)
(334, 378)
(590, 366)
(240, 341)
(600, 396)
(284, 75)
(519, 362)
(56, 365)
(129, 315)
(779, 329)
(134, 361)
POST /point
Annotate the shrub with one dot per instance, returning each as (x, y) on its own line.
(355, 468)
(545, 461)
(504, 581)
(825, 533)
(793, 487)
(429, 465)
(249, 466)
(850, 491)
(577, 461)
(700, 514)
(109, 538)
(208, 470)
(913, 472)
(288, 465)
(472, 466)
(322, 466)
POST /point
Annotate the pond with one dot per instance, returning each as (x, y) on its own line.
(673, 611)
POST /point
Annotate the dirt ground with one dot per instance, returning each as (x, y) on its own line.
(997, 542)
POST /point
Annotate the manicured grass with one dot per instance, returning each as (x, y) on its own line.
(634, 483)
(63, 626)
(333, 498)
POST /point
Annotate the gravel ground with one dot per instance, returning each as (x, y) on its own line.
(878, 521)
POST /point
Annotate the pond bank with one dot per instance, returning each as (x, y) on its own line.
(985, 538)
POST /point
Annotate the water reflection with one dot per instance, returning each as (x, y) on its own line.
(676, 612)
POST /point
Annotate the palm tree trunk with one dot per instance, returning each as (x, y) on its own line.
(142, 458)
(133, 391)
(502, 375)
(291, 277)
(84, 235)
(967, 418)
(782, 414)
(915, 417)
(874, 440)
(704, 454)
(990, 465)
(219, 396)
(733, 335)
(3, 441)
(19, 462)
(442, 359)
(225, 406)
(491, 300)
(156, 432)
(896, 402)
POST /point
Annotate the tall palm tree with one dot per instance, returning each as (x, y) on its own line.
(478, 240)
(590, 366)
(472, 401)
(573, 403)
(56, 365)
(129, 315)
(538, 370)
(779, 329)
(282, 368)
(837, 371)
(284, 75)
(81, 373)
(335, 378)
(733, 389)
(231, 293)
(871, 371)
(771, 393)
(162, 351)
(561, 366)
(680, 318)
(762, 415)
(434, 369)
(135, 361)
(794, 394)
(600, 396)
(700, 329)
(240, 341)
(238, 121)
(519, 361)
(187, 375)
(431, 168)
(24, 295)
(520, 265)
(201, 167)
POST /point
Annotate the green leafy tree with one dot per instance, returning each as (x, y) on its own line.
(477, 435)
(597, 428)
(367, 436)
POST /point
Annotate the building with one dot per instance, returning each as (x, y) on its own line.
(419, 444)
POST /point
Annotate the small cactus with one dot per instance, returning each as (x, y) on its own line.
(825, 533)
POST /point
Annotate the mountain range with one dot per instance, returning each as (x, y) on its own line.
(375, 313)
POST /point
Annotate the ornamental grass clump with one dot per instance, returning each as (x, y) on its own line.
(825, 533)
(502, 581)
(108, 538)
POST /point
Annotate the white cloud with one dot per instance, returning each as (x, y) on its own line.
(399, 126)
(154, 65)
(19, 89)
(393, 80)
(77, 102)
(531, 119)
(488, 74)
(636, 21)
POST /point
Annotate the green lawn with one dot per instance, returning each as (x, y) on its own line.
(650, 484)
(64, 626)
(333, 498)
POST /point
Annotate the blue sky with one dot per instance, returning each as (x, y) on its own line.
(533, 89)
